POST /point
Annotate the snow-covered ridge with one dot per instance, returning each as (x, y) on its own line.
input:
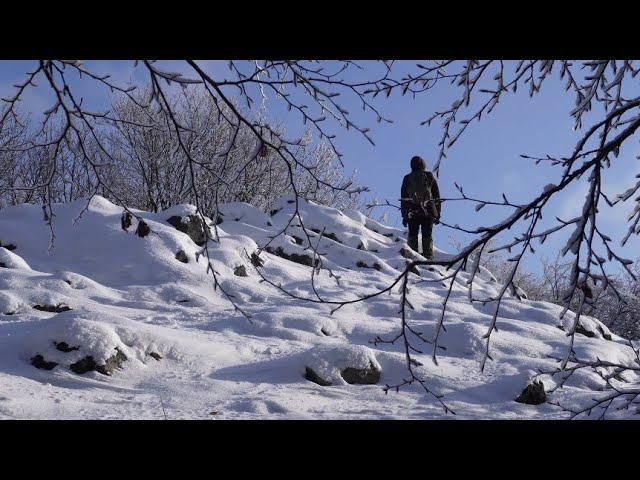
(123, 326)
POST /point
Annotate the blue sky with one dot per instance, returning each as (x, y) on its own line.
(485, 161)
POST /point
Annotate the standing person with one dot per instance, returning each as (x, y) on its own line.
(420, 205)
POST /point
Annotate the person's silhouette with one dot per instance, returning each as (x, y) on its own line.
(420, 205)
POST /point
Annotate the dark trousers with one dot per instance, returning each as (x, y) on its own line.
(415, 224)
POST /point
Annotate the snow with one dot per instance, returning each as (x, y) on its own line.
(130, 293)
(11, 260)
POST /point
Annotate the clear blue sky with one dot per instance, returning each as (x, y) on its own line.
(485, 161)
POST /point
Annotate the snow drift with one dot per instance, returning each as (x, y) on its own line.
(107, 324)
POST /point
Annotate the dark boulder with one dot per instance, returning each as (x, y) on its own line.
(181, 256)
(312, 376)
(533, 394)
(375, 266)
(583, 331)
(155, 355)
(193, 226)
(330, 235)
(256, 261)
(125, 221)
(84, 365)
(88, 364)
(362, 376)
(240, 271)
(52, 308)
(294, 257)
(38, 361)
(64, 347)
(143, 229)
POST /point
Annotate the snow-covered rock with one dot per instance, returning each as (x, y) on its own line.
(330, 365)
(11, 260)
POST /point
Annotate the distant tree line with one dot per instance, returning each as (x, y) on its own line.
(140, 161)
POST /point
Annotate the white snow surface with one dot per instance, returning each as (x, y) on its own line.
(131, 293)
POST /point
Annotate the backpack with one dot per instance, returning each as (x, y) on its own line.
(419, 189)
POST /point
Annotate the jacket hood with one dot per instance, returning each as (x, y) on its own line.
(417, 163)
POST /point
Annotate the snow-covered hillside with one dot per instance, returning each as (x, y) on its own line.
(109, 324)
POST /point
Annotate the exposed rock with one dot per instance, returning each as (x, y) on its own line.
(155, 355)
(143, 229)
(64, 347)
(604, 334)
(587, 333)
(312, 376)
(192, 226)
(293, 257)
(84, 365)
(3, 265)
(125, 221)
(112, 363)
(297, 239)
(52, 308)
(240, 271)
(406, 253)
(362, 264)
(256, 261)
(361, 376)
(274, 211)
(533, 394)
(181, 256)
(330, 235)
(38, 361)
(88, 364)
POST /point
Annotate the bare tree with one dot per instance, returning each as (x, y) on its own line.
(315, 91)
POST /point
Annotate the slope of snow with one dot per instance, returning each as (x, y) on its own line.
(190, 354)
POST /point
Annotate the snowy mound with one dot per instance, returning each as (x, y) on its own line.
(112, 324)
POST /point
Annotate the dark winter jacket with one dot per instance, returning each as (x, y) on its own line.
(422, 186)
